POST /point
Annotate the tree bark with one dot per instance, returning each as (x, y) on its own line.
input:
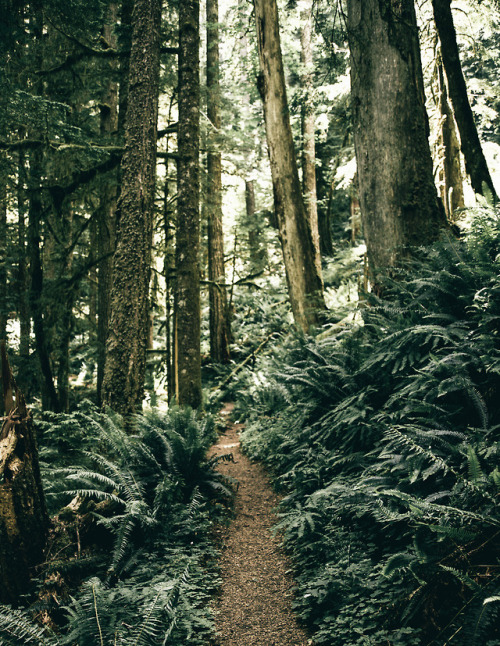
(22, 275)
(169, 271)
(256, 245)
(219, 319)
(109, 127)
(123, 383)
(23, 515)
(50, 399)
(451, 181)
(301, 257)
(308, 122)
(398, 198)
(124, 45)
(475, 162)
(187, 290)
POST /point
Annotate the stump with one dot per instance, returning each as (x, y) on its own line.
(23, 514)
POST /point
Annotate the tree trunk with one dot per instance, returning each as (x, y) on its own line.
(308, 122)
(451, 181)
(256, 245)
(50, 399)
(325, 214)
(3, 252)
(123, 383)
(187, 289)
(301, 257)
(475, 162)
(92, 278)
(219, 320)
(23, 515)
(109, 124)
(169, 271)
(124, 45)
(398, 198)
(22, 275)
(34, 238)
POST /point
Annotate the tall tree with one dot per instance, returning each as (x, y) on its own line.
(475, 162)
(219, 319)
(22, 268)
(187, 291)
(308, 121)
(398, 198)
(50, 398)
(301, 256)
(106, 239)
(123, 383)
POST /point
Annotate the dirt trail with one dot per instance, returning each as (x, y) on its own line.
(254, 607)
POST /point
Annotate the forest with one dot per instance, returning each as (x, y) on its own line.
(250, 253)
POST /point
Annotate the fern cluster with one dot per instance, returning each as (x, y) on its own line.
(386, 439)
(142, 512)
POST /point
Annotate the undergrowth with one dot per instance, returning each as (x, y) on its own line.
(131, 557)
(385, 439)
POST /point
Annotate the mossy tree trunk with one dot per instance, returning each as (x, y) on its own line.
(451, 180)
(300, 254)
(123, 382)
(187, 289)
(475, 162)
(106, 239)
(219, 319)
(23, 515)
(398, 198)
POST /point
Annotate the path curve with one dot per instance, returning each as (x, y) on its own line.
(254, 605)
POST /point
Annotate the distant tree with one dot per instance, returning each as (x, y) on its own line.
(300, 254)
(123, 383)
(398, 198)
(187, 291)
(219, 320)
(475, 162)
(22, 288)
(450, 171)
(308, 121)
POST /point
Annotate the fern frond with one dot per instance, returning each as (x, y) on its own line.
(17, 627)
(476, 475)
(399, 561)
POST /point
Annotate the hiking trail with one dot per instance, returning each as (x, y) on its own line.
(254, 605)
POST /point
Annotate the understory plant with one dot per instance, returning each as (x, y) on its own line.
(131, 559)
(385, 439)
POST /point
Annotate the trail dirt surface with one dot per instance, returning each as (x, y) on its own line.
(254, 606)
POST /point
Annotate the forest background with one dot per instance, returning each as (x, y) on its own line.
(144, 224)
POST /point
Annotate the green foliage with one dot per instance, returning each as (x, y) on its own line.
(17, 627)
(385, 438)
(149, 501)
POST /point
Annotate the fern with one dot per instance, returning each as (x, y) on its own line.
(385, 439)
(17, 627)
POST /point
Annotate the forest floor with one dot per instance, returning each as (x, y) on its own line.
(254, 604)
